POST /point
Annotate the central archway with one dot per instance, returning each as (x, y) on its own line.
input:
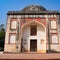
(33, 33)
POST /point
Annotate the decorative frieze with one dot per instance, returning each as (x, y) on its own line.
(41, 20)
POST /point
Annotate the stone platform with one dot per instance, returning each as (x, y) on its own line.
(30, 56)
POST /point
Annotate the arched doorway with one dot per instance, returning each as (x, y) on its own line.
(33, 37)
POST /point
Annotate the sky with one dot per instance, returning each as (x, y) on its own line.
(17, 5)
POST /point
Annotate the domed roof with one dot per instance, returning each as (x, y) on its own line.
(33, 8)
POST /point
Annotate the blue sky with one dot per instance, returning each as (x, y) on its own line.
(16, 5)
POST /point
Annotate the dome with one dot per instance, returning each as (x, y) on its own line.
(33, 8)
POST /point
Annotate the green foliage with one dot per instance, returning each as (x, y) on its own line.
(1, 27)
(2, 36)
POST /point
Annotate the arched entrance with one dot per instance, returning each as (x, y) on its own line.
(33, 37)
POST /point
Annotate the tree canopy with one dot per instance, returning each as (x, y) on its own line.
(2, 36)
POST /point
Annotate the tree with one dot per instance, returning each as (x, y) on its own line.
(1, 27)
(2, 36)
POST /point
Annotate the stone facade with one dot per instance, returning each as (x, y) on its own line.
(34, 29)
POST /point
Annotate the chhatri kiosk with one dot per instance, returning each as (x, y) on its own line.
(32, 30)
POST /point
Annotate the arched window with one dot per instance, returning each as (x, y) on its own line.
(13, 25)
(54, 39)
(53, 25)
(33, 30)
(12, 38)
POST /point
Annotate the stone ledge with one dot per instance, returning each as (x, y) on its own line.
(30, 56)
